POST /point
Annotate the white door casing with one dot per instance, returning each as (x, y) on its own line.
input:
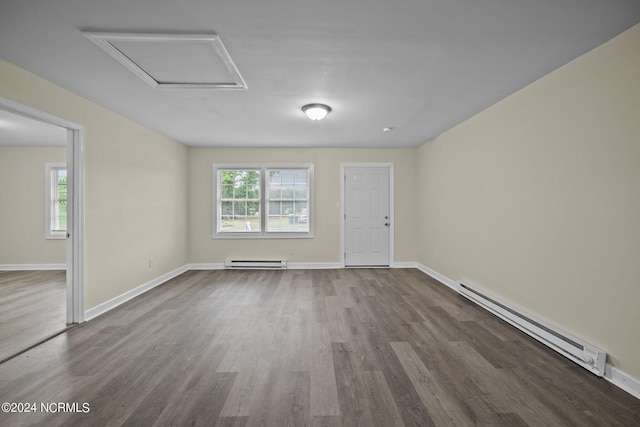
(367, 220)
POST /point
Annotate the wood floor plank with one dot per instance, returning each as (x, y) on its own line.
(407, 400)
(200, 405)
(285, 402)
(335, 306)
(326, 421)
(354, 404)
(231, 422)
(292, 340)
(249, 384)
(324, 391)
(363, 339)
(439, 403)
(384, 411)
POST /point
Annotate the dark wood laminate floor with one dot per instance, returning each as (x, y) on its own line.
(360, 347)
(32, 307)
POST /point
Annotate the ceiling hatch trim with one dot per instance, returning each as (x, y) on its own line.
(173, 61)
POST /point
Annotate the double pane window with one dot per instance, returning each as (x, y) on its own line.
(263, 201)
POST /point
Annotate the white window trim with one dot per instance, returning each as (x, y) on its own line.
(263, 234)
(50, 234)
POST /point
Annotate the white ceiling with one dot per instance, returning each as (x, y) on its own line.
(419, 66)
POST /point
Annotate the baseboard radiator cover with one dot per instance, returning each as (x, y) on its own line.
(250, 264)
(580, 352)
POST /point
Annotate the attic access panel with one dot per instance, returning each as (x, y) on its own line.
(173, 61)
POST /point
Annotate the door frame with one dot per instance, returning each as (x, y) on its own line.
(75, 210)
(343, 236)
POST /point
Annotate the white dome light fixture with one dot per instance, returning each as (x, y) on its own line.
(316, 111)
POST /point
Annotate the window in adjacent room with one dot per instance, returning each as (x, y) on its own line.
(263, 201)
(56, 201)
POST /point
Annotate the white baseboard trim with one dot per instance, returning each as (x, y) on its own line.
(295, 265)
(313, 265)
(122, 298)
(439, 277)
(290, 266)
(32, 267)
(615, 376)
(404, 265)
(206, 266)
(622, 380)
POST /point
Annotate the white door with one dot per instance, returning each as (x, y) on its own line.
(367, 219)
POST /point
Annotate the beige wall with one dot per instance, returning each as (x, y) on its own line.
(537, 199)
(325, 246)
(135, 189)
(22, 206)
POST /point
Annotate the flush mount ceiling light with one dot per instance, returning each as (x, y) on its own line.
(316, 111)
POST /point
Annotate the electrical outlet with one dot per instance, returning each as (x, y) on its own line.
(150, 262)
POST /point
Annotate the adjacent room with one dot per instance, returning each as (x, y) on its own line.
(33, 277)
(338, 214)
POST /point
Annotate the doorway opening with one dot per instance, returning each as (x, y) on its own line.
(41, 277)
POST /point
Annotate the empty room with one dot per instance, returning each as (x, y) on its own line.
(291, 213)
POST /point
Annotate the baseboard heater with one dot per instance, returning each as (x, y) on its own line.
(582, 353)
(244, 264)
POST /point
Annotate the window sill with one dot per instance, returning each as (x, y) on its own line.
(56, 236)
(257, 236)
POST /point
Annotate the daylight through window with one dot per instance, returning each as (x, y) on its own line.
(263, 201)
(56, 209)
